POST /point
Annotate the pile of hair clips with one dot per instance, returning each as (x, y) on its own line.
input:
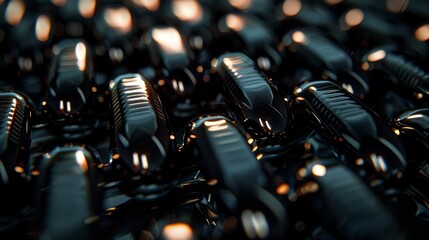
(226, 119)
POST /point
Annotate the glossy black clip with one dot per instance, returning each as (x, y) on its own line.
(67, 194)
(167, 48)
(69, 80)
(354, 128)
(260, 106)
(226, 158)
(249, 34)
(225, 154)
(139, 124)
(350, 209)
(414, 122)
(14, 137)
(325, 58)
(401, 72)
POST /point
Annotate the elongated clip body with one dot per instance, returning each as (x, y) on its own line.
(139, 124)
(259, 105)
(347, 123)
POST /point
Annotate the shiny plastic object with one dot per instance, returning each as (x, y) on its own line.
(70, 78)
(259, 105)
(349, 206)
(67, 194)
(413, 122)
(327, 58)
(226, 157)
(226, 154)
(167, 48)
(355, 129)
(14, 137)
(401, 72)
(139, 124)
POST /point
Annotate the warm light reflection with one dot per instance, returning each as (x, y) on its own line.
(333, 2)
(318, 170)
(68, 106)
(359, 161)
(59, 3)
(291, 7)
(187, 10)
(87, 8)
(119, 19)
(235, 22)
(43, 28)
(80, 52)
(216, 125)
(309, 187)
(241, 4)
(145, 162)
(217, 128)
(136, 161)
(354, 17)
(212, 182)
(299, 37)
(255, 224)
(307, 146)
(14, 12)
(151, 5)
(378, 162)
(230, 62)
(169, 40)
(19, 169)
(35, 172)
(376, 56)
(282, 189)
(415, 116)
(422, 33)
(312, 89)
(81, 160)
(177, 231)
(210, 123)
(396, 6)
(396, 131)
(419, 95)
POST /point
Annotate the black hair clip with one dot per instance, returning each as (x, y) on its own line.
(414, 122)
(326, 59)
(412, 126)
(260, 106)
(253, 38)
(31, 31)
(225, 153)
(139, 124)
(15, 138)
(226, 158)
(350, 210)
(370, 28)
(167, 48)
(67, 190)
(355, 129)
(310, 14)
(69, 81)
(401, 72)
(170, 55)
(113, 22)
(28, 36)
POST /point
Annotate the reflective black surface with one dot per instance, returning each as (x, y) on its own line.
(229, 119)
